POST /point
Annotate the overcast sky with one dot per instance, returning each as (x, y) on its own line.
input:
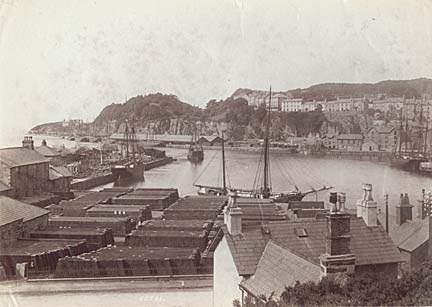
(68, 59)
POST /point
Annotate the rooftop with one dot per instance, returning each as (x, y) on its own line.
(4, 186)
(350, 137)
(56, 172)
(371, 245)
(277, 268)
(410, 235)
(12, 210)
(19, 156)
(47, 151)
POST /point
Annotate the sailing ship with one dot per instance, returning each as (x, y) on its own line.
(265, 191)
(409, 157)
(196, 152)
(130, 168)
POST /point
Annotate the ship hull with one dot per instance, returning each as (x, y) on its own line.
(279, 198)
(411, 165)
(127, 173)
(196, 156)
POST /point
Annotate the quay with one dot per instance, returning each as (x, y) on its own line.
(377, 156)
(95, 181)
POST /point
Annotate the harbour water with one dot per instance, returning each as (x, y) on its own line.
(287, 170)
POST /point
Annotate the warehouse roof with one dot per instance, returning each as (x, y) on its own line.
(12, 210)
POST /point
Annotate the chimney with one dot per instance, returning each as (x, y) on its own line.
(338, 258)
(430, 236)
(28, 142)
(367, 207)
(233, 215)
(403, 210)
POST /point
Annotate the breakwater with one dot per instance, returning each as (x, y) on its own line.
(157, 163)
(376, 156)
(95, 181)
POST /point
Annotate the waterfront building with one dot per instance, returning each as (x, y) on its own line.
(329, 141)
(18, 219)
(369, 145)
(264, 258)
(349, 142)
(386, 137)
(24, 170)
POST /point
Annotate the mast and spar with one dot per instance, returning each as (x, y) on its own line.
(266, 189)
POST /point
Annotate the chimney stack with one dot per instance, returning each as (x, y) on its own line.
(403, 210)
(430, 237)
(367, 207)
(28, 142)
(338, 257)
(233, 215)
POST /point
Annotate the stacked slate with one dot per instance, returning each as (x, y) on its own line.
(168, 238)
(137, 213)
(176, 225)
(130, 261)
(41, 255)
(157, 199)
(120, 225)
(95, 238)
(85, 201)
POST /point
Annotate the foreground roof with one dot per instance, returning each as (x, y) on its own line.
(410, 235)
(47, 151)
(12, 210)
(18, 156)
(278, 268)
(371, 245)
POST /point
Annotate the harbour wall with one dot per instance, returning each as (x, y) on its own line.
(378, 156)
(92, 182)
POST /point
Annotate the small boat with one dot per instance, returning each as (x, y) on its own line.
(196, 152)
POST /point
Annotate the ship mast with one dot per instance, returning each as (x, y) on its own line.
(126, 137)
(266, 188)
(223, 164)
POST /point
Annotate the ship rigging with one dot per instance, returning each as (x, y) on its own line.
(258, 190)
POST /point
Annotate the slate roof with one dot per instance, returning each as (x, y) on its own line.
(350, 137)
(410, 235)
(4, 186)
(371, 245)
(47, 151)
(278, 268)
(56, 172)
(18, 156)
(12, 210)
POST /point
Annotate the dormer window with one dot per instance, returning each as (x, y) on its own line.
(301, 233)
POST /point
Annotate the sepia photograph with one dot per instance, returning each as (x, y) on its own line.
(220, 153)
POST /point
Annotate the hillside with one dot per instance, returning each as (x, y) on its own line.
(329, 91)
(407, 88)
(159, 113)
(151, 107)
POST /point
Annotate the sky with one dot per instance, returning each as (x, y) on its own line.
(65, 59)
